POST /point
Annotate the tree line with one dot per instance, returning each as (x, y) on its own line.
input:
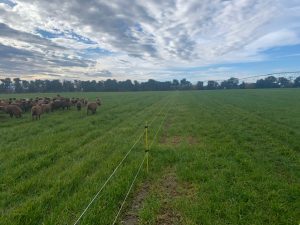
(8, 85)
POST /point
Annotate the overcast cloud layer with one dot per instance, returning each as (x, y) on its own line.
(143, 39)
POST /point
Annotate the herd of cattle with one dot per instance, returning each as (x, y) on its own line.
(38, 106)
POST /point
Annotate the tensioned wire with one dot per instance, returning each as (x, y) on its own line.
(115, 170)
(138, 171)
(127, 194)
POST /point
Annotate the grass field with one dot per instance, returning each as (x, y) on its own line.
(220, 157)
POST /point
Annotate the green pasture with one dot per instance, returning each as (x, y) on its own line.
(219, 157)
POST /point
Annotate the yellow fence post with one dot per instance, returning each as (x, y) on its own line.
(147, 147)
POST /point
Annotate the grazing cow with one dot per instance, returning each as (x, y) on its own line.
(92, 106)
(78, 105)
(56, 104)
(23, 104)
(74, 101)
(98, 101)
(13, 110)
(2, 105)
(36, 112)
(46, 108)
(66, 104)
(84, 102)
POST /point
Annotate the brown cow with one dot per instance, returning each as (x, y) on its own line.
(36, 112)
(98, 101)
(84, 102)
(2, 105)
(56, 104)
(46, 108)
(78, 105)
(92, 106)
(13, 110)
(66, 104)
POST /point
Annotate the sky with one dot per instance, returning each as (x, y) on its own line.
(153, 39)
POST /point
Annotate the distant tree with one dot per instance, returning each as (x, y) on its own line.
(126, 85)
(185, 84)
(111, 85)
(297, 82)
(260, 83)
(245, 85)
(25, 85)
(18, 85)
(136, 85)
(39, 86)
(68, 86)
(284, 82)
(230, 83)
(165, 86)
(77, 85)
(268, 82)
(271, 79)
(211, 85)
(199, 85)
(6, 85)
(100, 86)
(271, 82)
(149, 85)
(31, 87)
(85, 85)
(93, 85)
(2, 89)
(56, 86)
(175, 84)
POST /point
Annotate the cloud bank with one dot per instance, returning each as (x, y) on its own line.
(141, 39)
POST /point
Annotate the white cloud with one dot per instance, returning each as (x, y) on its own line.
(275, 39)
(147, 38)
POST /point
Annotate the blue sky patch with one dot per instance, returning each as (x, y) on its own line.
(284, 51)
(66, 34)
(100, 51)
(8, 2)
(138, 27)
(94, 53)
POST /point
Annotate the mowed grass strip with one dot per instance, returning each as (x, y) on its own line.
(221, 157)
